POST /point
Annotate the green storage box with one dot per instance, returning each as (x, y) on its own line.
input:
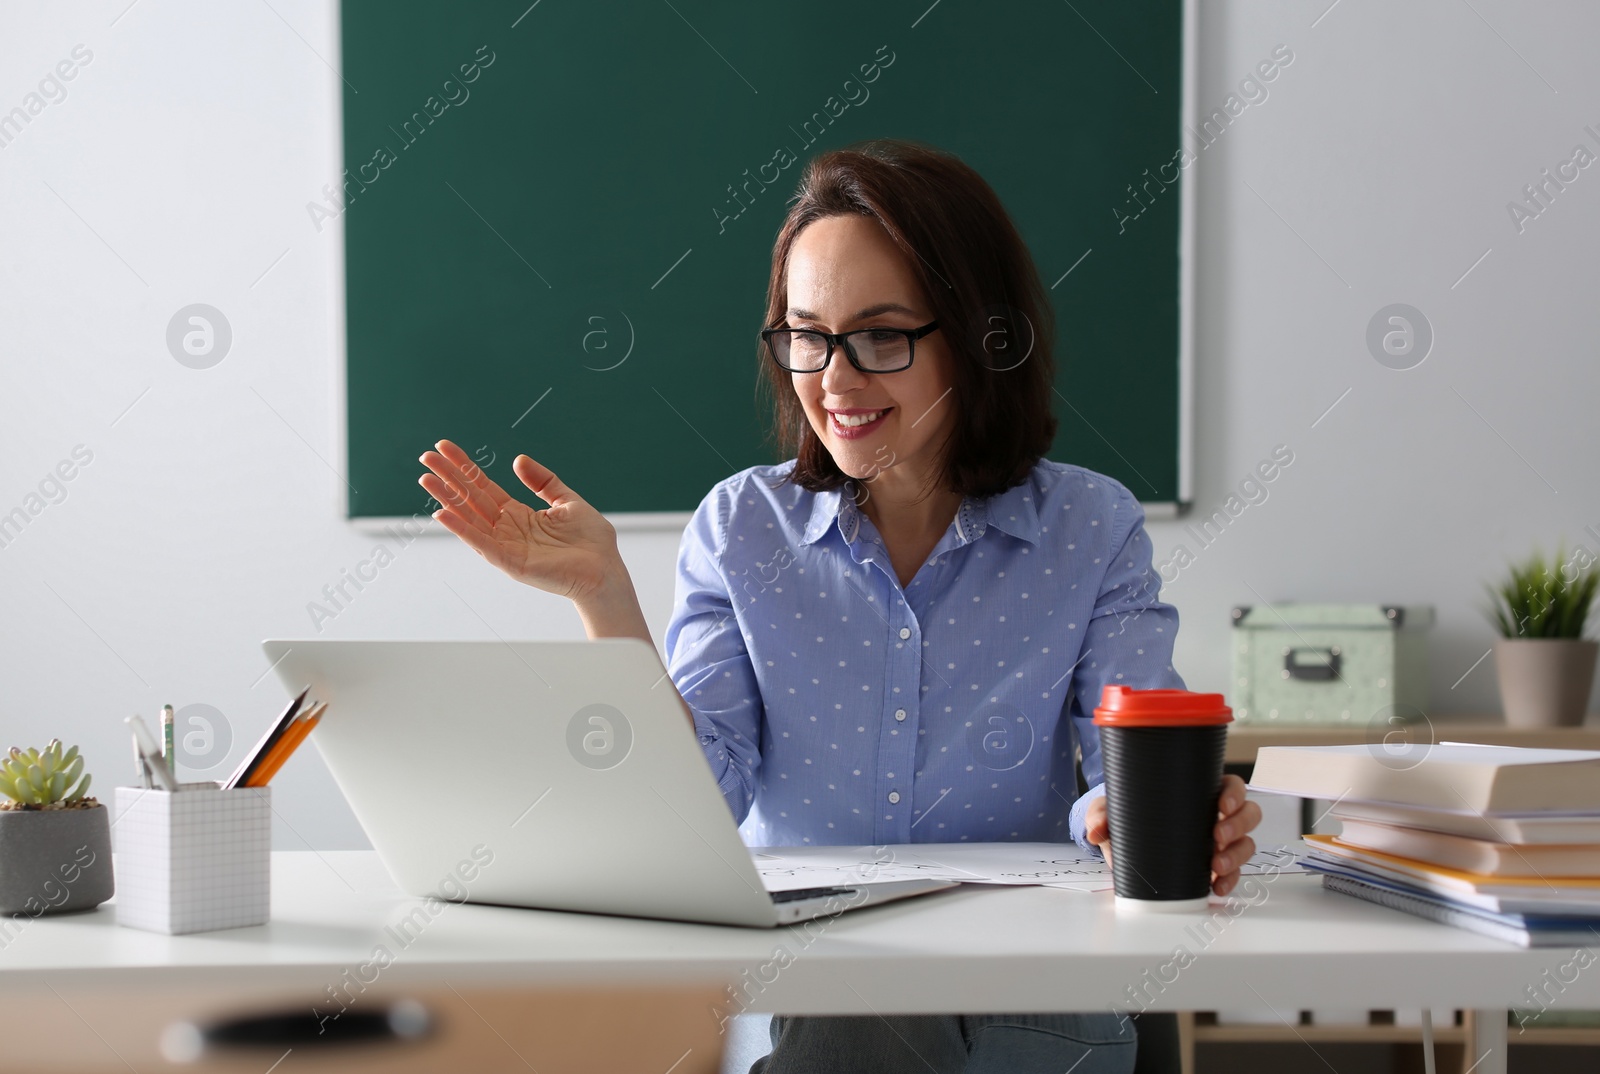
(1326, 664)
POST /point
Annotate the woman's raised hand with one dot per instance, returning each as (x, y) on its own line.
(568, 549)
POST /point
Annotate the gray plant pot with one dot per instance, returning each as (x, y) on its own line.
(53, 860)
(1544, 682)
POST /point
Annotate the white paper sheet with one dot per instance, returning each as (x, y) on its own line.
(1049, 864)
(1273, 860)
(788, 868)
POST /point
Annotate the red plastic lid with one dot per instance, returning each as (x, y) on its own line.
(1123, 706)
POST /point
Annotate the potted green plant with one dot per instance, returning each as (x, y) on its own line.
(1545, 665)
(55, 841)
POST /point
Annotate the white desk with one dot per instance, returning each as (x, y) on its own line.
(971, 949)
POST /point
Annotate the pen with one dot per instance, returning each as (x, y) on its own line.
(167, 753)
(151, 755)
(139, 765)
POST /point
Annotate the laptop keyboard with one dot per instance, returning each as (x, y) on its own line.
(807, 893)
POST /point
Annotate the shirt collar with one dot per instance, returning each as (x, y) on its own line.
(1012, 511)
(825, 509)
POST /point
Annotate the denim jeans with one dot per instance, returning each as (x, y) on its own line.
(951, 1044)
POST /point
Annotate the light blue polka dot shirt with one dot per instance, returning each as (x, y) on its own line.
(836, 707)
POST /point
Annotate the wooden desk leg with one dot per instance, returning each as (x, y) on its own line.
(1186, 1042)
(1486, 1042)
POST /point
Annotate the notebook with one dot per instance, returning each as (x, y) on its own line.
(1498, 894)
(1524, 930)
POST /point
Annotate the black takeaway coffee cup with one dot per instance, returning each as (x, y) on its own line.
(1163, 753)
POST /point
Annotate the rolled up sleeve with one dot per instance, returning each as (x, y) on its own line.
(1129, 643)
(709, 661)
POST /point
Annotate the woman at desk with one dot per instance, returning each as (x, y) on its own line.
(900, 634)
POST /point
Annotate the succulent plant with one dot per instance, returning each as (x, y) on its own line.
(44, 777)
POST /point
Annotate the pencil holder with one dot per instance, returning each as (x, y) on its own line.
(194, 859)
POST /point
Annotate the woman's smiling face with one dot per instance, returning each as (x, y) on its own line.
(844, 274)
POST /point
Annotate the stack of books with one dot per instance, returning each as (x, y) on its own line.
(1500, 840)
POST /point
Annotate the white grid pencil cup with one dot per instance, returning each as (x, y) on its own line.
(193, 860)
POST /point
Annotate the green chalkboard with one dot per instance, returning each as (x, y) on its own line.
(553, 243)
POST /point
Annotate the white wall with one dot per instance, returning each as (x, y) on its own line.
(178, 168)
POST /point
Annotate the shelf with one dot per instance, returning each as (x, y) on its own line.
(1329, 1034)
(1245, 738)
(1586, 1035)
(1210, 1032)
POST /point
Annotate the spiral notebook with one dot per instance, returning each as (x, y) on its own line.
(1524, 930)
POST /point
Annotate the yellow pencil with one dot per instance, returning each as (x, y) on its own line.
(286, 745)
(275, 754)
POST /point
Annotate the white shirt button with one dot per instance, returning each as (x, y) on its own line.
(905, 632)
(900, 714)
(894, 797)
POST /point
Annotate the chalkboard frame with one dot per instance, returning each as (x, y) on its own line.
(673, 521)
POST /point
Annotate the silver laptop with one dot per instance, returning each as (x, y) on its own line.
(557, 775)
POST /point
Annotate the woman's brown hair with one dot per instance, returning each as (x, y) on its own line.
(981, 285)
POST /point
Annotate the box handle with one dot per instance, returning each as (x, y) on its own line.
(1324, 666)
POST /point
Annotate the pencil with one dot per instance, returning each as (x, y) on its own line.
(278, 751)
(286, 746)
(291, 741)
(252, 762)
(168, 754)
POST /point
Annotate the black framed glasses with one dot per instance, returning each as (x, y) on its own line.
(871, 350)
